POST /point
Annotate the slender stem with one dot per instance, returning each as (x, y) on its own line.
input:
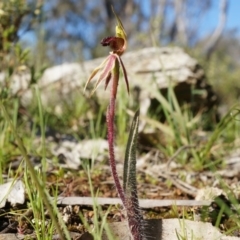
(131, 204)
(115, 80)
(110, 124)
(111, 135)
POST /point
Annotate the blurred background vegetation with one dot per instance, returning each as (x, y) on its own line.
(36, 34)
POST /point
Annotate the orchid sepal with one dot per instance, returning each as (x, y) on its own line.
(95, 71)
(124, 73)
(110, 62)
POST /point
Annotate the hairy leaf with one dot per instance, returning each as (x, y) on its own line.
(130, 183)
(129, 173)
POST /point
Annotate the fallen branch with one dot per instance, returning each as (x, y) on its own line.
(144, 203)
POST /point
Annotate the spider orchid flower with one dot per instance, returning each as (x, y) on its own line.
(109, 68)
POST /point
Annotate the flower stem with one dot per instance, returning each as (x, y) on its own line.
(110, 124)
(110, 127)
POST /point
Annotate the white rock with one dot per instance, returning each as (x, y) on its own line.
(12, 192)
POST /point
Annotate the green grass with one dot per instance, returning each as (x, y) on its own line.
(205, 143)
(40, 188)
(99, 218)
(181, 132)
(17, 140)
(83, 118)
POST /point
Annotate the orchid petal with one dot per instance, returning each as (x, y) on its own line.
(124, 72)
(108, 68)
(95, 71)
(108, 79)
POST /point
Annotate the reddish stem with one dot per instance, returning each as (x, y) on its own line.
(131, 205)
(110, 127)
(110, 124)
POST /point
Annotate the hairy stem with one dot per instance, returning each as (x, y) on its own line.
(110, 127)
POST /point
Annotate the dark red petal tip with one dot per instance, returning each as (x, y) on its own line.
(106, 41)
(115, 43)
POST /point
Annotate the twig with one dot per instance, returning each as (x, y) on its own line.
(177, 153)
(144, 203)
